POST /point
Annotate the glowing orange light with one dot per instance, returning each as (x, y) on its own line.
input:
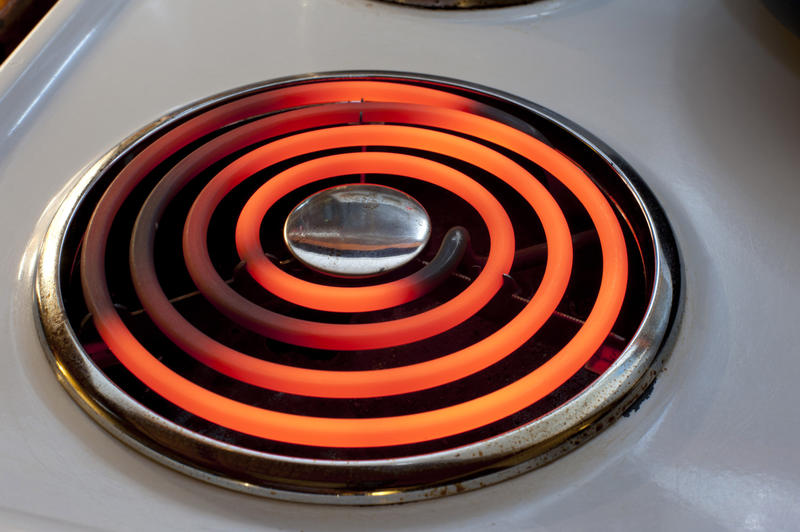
(395, 430)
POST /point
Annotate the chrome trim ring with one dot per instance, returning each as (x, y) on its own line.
(365, 482)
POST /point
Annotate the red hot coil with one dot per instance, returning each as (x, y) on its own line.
(410, 109)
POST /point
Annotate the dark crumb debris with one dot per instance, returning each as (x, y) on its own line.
(642, 398)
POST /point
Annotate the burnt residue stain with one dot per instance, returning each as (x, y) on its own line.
(639, 400)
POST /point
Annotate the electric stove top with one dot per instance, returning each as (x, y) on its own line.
(700, 100)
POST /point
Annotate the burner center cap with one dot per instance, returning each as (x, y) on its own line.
(357, 230)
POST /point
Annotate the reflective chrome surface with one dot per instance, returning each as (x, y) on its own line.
(357, 230)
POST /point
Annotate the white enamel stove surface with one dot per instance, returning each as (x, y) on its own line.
(702, 98)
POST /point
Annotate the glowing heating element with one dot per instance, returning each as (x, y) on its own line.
(324, 116)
